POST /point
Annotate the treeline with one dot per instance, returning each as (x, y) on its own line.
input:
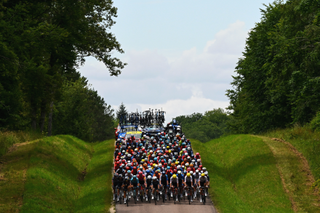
(42, 43)
(278, 79)
(204, 127)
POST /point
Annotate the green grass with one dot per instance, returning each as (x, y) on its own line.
(62, 174)
(243, 175)
(305, 141)
(295, 175)
(8, 138)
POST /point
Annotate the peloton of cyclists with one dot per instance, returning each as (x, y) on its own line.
(157, 162)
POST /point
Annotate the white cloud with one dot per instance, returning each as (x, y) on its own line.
(193, 81)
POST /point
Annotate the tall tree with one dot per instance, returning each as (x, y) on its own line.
(277, 82)
(48, 41)
(122, 113)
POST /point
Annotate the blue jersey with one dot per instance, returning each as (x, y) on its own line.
(134, 180)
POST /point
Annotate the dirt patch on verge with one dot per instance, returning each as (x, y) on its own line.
(306, 168)
(295, 175)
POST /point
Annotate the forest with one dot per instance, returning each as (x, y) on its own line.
(42, 43)
(277, 81)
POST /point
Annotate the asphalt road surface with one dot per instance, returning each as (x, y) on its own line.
(167, 207)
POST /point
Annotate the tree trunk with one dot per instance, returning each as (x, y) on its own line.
(34, 119)
(50, 119)
(43, 115)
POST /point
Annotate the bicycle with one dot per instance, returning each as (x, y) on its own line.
(134, 191)
(202, 194)
(156, 196)
(141, 192)
(126, 192)
(149, 194)
(189, 193)
(162, 192)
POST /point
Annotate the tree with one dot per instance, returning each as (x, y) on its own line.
(204, 127)
(277, 82)
(48, 40)
(83, 113)
(122, 113)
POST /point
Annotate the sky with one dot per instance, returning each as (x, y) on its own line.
(181, 54)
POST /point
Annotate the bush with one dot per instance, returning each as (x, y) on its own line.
(315, 123)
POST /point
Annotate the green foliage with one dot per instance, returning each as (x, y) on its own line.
(277, 82)
(315, 123)
(121, 112)
(42, 44)
(205, 127)
(83, 113)
(243, 175)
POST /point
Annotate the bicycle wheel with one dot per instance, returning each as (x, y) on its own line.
(204, 199)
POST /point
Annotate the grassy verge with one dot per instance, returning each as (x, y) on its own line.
(295, 174)
(243, 175)
(305, 141)
(8, 138)
(60, 174)
(96, 193)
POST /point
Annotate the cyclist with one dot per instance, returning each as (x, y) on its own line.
(126, 186)
(142, 179)
(180, 178)
(202, 182)
(174, 184)
(164, 182)
(148, 185)
(188, 180)
(114, 184)
(155, 185)
(134, 183)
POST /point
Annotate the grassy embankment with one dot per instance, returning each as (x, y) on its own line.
(305, 141)
(57, 174)
(252, 174)
(8, 138)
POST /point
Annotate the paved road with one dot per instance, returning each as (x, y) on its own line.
(167, 207)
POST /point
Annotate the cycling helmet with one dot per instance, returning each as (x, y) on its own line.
(204, 169)
(188, 174)
(154, 177)
(149, 177)
(140, 173)
(129, 171)
(206, 172)
(202, 175)
(179, 172)
(134, 176)
(191, 172)
(174, 176)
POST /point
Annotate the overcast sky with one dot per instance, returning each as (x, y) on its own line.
(180, 54)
